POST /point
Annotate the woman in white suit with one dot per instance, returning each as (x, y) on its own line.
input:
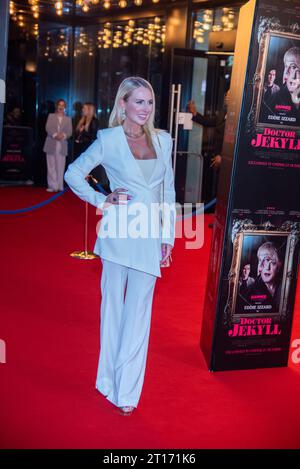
(132, 242)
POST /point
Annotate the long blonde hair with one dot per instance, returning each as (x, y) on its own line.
(127, 86)
(86, 120)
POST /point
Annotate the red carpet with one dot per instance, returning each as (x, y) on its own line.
(50, 323)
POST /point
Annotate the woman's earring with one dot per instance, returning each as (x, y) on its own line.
(123, 115)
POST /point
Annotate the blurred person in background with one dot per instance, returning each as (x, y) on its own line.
(59, 130)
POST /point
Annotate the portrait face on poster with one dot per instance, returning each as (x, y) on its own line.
(261, 271)
(278, 92)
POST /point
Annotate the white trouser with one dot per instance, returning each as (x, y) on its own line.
(55, 171)
(126, 307)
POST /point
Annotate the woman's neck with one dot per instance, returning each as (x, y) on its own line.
(132, 129)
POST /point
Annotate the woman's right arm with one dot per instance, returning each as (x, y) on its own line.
(80, 168)
(205, 121)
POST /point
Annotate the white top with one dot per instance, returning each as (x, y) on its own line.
(58, 142)
(147, 167)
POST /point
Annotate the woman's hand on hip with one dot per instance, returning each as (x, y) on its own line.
(117, 197)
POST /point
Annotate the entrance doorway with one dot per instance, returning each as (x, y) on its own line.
(204, 78)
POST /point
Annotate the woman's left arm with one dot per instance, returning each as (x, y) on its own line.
(169, 196)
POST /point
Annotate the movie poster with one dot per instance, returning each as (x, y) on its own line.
(261, 273)
(16, 152)
(260, 286)
(260, 258)
(279, 91)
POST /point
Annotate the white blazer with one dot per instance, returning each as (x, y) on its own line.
(138, 251)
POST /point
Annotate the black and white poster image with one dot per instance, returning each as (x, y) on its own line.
(263, 270)
(279, 89)
(260, 278)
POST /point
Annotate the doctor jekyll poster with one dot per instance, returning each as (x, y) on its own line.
(278, 92)
(257, 230)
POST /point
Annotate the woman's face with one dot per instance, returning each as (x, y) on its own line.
(268, 264)
(85, 110)
(60, 107)
(138, 106)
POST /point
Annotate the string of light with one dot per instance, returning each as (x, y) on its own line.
(86, 4)
(110, 35)
(24, 14)
(207, 21)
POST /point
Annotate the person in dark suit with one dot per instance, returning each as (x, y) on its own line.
(244, 286)
(270, 87)
(245, 281)
(217, 121)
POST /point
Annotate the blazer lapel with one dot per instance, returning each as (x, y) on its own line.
(158, 150)
(56, 122)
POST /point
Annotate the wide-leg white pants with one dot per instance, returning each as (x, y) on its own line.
(126, 307)
(55, 171)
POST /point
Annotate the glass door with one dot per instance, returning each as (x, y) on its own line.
(204, 78)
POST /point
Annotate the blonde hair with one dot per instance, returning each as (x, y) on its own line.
(125, 89)
(86, 120)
